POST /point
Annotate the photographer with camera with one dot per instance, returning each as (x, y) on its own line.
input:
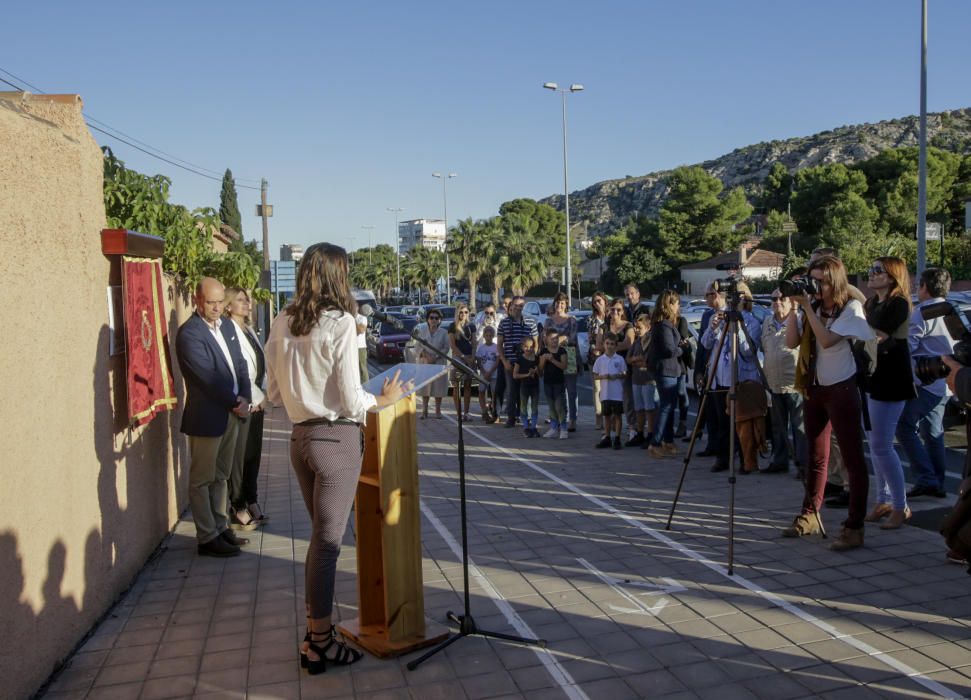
(890, 386)
(920, 429)
(740, 296)
(826, 374)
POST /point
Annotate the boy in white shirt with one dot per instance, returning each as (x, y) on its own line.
(487, 359)
(610, 368)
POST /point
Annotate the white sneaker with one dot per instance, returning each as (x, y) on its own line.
(564, 435)
(551, 433)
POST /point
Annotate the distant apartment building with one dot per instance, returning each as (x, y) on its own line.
(429, 233)
(291, 252)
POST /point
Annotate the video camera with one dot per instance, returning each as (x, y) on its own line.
(729, 285)
(930, 369)
(802, 284)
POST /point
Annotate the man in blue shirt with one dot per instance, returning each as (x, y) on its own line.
(512, 330)
(921, 426)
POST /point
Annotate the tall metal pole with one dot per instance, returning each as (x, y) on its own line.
(266, 254)
(446, 176)
(397, 243)
(922, 157)
(566, 207)
(369, 257)
(448, 267)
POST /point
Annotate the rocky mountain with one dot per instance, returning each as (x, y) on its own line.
(608, 204)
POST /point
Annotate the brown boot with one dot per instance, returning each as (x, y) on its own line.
(897, 519)
(669, 449)
(879, 512)
(850, 538)
(805, 524)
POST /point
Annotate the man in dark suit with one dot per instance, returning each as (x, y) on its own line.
(217, 397)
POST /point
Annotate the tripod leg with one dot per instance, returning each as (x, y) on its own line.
(709, 380)
(687, 457)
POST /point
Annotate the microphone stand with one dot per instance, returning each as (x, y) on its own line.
(466, 623)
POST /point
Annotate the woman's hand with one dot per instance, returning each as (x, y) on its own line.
(804, 301)
(393, 388)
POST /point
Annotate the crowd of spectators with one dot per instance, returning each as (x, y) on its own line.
(830, 368)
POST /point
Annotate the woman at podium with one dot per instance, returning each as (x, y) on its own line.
(313, 371)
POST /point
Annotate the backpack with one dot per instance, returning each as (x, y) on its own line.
(956, 527)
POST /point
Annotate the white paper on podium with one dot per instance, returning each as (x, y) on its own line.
(420, 374)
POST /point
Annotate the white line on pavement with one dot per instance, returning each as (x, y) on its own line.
(559, 674)
(834, 633)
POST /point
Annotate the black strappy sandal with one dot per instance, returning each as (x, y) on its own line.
(343, 655)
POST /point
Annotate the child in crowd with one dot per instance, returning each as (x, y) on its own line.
(611, 369)
(570, 375)
(487, 360)
(552, 362)
(526, 370)
(642, 381)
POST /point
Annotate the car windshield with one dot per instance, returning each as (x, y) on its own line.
(407, 323)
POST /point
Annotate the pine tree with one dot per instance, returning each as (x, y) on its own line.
(229, 206)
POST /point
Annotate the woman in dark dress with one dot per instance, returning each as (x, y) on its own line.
(890, 387)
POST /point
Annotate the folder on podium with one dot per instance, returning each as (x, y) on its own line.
(391, 607)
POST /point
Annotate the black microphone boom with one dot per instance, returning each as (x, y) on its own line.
(371, 312)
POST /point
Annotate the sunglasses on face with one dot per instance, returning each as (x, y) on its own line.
(434, 318)
(490, 313)
(877, 270)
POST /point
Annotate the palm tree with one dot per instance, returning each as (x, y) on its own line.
(493, 233)
(470, 248)
(423, 267)
(525, 259)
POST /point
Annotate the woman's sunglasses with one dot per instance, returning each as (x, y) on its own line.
(877, 270)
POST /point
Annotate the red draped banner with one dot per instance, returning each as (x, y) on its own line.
(150, 385)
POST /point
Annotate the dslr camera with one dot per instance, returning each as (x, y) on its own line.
(930, 369)
(801, 284)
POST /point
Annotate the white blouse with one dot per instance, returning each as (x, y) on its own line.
(316, 375)
(249, 354)
(835, 363)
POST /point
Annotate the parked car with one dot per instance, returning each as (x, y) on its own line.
(386, 343)
(404, 310)
(447, 312)
(537, 309)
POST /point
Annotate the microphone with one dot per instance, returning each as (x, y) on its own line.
(371, 312)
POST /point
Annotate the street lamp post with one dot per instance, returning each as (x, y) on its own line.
(575, 87)
(369, 229)
(922, 148)
(397, 243)
(448, 269)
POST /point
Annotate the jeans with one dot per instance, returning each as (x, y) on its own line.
(683, 399)
(556, 401)
(786, 417)
(572, 397)
(629, 403)
(667, 388)
(830, 409)
(884, 416)
(500, 389)
(920, 431)
(512, 396)
(528, 403)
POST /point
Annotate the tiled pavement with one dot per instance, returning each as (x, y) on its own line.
(570, 545)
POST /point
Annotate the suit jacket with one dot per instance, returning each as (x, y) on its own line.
(208, 381)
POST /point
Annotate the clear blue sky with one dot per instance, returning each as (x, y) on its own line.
(348, 108)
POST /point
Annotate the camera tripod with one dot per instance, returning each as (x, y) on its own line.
(733, 325)
(466, 623)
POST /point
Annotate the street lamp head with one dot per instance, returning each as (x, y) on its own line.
(453, 174)
(550, 86)
(576, 87)
(436, 174)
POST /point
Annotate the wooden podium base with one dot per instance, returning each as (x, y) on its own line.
(373, 638)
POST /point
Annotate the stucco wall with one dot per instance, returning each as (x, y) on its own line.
(84, 501)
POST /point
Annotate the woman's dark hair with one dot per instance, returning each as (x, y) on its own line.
(321, 286)
(560, 296)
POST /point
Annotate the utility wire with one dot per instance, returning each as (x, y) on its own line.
(154, 152)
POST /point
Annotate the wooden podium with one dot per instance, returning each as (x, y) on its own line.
(391, 604)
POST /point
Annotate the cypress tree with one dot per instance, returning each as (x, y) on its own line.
(229, 206)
